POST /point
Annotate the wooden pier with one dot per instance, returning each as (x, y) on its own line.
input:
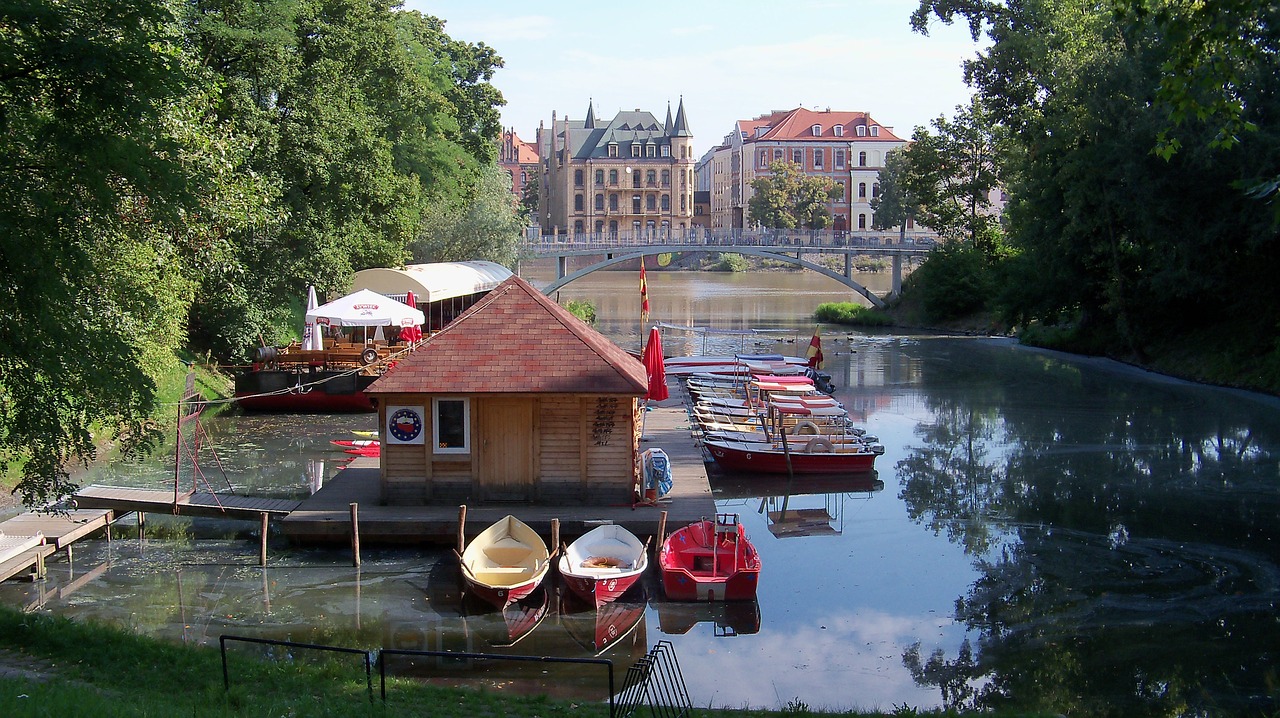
(28, 539)
(161, 501)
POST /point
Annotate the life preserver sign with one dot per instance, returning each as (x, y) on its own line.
(404, 425)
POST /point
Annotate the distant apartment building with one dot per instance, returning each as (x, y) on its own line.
(626, 176)
(847, 147)
(519, 159)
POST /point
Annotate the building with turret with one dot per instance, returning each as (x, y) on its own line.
(519, 159)
(628, 176)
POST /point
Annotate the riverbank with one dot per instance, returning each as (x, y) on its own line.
(54, 666)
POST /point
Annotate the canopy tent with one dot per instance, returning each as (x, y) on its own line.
(433, 282)
(365, 309)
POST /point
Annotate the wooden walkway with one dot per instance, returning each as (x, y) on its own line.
(28, 539)
(201, 503)
(326, 515)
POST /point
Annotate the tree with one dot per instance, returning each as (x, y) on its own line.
(529, 198)
(93, 262)
(484, 226)
(786, 198)
(951, 175)
(895, 205)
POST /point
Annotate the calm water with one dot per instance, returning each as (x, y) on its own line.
(1043, 532)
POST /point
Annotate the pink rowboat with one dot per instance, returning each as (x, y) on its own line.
(710, 561)
(505, 563)
(603, 564)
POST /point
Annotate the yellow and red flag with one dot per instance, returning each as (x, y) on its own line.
(644, 295)
(816, 360)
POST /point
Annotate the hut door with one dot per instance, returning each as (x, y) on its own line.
(506, 449)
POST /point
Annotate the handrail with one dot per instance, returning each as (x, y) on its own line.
(226, 674)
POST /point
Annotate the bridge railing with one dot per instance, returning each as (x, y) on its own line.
(536, 242)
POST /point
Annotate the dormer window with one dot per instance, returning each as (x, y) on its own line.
(761, 130)
(816, 130)
(613, 149)
(862, 130)
(838, 130)
(635, 149)
(875, 130)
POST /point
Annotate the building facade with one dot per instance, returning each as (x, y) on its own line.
(628, 176)
(845, 147)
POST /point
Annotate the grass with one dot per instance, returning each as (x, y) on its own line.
(850, 314)
(93, 670)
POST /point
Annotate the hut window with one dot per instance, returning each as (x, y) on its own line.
(451, 429)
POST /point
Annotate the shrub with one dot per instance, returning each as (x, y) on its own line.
(850, 314)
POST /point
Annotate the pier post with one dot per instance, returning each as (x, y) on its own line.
(262, 546)
(555, 536)
(662, 533)
(462, 528)
(355, 534)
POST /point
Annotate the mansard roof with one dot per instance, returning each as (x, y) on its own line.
(636, 126)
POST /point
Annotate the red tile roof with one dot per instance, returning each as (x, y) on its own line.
(516, 340)
(798, 124)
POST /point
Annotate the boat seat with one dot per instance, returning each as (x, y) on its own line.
(499, 576)
(508, 552)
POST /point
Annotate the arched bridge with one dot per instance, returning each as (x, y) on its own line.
(790, 247)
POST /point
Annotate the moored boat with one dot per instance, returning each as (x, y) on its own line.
(506, 562)
(710, 561)
(603, 564)
(815, 454)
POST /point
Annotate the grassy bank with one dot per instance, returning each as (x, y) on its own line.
(55, 667)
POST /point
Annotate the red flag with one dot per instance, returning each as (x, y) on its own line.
(816, 359)
(644, 295)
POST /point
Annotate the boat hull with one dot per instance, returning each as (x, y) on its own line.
(734, 459)
(599, 591)
(505, 563)
(271, 390)
(603, 564)
(702, 563)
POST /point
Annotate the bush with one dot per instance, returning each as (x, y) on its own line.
(582, 309)
(730, 262)
(850, 314)
(955, 281)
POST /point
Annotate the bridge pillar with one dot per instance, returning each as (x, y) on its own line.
(848, 264)
(562, 266)
(897, 275)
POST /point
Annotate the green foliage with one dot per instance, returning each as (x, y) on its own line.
(895, 204)
(483, 226)
(954, 281)
(582, 309)
(850, 314)
(731, 262)
(788, 199)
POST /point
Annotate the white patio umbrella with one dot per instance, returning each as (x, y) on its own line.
(365, 308)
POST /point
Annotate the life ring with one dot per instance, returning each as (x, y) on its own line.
(819, 445)
(805, 427)
(369, 355)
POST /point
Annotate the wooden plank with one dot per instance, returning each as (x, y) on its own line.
(25, 560)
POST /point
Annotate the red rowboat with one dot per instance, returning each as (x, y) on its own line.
(710, 561)
(603, 563)
(817, 455)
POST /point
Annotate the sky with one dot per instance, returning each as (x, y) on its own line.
(727, 61)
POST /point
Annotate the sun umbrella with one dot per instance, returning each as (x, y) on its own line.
(653, 364)
(311, 335)
(411, 333)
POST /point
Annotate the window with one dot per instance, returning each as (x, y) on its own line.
(577, 203)
(635, 205)
(875, 190)
(635, 178)
(862, 159)
(862, 130)
(651, 178)
(666, 203)
(613, 149)
(862, 190)
(524, 177)
(797, 156)
(600, 227)
(839, 159)
(635, 149)
(666, 150)
(777, 155)
(578, 228)
(838, 130)
(666, 178)
(875, 130)
(764, 158)
(818, 158)
(843, 197)
(816, 130)
(599, 203)
(650, 150)
(651, 203)
(862, 221)
(613, 177)
(599, 176)
(613, 227)
(451, 427)
(613, 203)
(683, 205)
(577, 178)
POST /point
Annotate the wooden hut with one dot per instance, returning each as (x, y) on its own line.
(515, 400)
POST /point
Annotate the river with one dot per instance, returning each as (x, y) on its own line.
(1047, 533)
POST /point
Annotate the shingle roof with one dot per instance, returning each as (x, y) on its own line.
(797, 124)
(516, 340)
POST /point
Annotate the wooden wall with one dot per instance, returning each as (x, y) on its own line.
(585, 452)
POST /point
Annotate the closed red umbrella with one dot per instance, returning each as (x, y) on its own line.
(653, 364)
(411, 333)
